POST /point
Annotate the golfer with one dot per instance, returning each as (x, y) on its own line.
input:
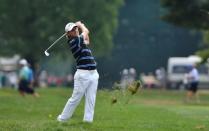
(86, 76)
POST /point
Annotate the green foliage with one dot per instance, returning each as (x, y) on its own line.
(206, 38)
(193, 14)
(29, 27)
(147, 111)
(187, 13)
(204, 54)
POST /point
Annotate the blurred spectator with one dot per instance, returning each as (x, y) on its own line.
(69, 79)
(124, 79)
(149, 81)
(13, 79)
(51, 80)
(131, 75)
(193, 79)
(59, 81)
(43, 79)
(161, 77)
(24, 79)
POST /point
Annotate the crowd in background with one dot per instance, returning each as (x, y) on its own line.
(127, 77)
(41, 79)
(150, 80)
(158, 79)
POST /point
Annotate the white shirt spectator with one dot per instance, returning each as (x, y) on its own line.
(194, 75)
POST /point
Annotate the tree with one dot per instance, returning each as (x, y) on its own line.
(187, 13)
(204, 53)
(29, 27)
(192, 14)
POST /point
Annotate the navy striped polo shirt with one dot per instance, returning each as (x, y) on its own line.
(82, 53)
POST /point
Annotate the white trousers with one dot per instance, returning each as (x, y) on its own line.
(85, 83)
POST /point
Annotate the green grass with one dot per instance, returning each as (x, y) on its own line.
(148, 110)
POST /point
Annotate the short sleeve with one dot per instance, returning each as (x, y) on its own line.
(23, 74)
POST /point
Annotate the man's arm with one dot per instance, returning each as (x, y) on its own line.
(85, 32)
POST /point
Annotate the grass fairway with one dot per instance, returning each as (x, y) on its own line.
(146, 111)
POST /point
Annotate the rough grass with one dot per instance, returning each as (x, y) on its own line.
(148, 110)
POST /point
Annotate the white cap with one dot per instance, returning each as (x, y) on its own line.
(70, 26)
(23, 62)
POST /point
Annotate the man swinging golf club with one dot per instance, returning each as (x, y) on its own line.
(86, 76)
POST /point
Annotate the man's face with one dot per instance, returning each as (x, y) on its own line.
(73, 33)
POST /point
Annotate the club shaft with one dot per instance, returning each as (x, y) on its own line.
(55, 41)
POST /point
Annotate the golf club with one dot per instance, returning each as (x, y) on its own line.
(46, 51)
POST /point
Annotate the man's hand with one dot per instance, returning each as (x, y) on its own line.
(78, 23)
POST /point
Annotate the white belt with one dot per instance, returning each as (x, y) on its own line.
(86, 71)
